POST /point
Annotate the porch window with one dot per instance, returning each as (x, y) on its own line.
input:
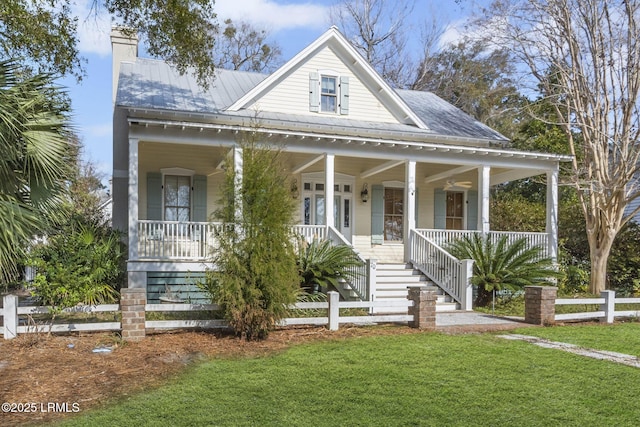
(455, 210)
(177, 198)
(347, 213)
(393, 214)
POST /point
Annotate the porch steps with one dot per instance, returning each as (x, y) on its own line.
(392, 281)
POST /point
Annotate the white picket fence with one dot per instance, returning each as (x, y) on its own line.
(607, 307)
(14, 317)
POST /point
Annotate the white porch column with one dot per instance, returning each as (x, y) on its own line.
(237, 169)
(552, 212)
(133, 199)
(329, 169)
(410, 205)
(135, 279)
(484, 181)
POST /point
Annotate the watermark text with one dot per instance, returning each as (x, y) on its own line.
(33, 407)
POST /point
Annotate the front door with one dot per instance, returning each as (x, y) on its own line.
(455, 210)
(393, 214)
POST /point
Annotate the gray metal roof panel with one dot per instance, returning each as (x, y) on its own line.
(446, 119)
(155, 85)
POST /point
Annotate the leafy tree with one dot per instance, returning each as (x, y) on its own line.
(43, 34)
(501, 265)
(255, 275)
(624, 262)
(322, 265)
(243, 47)
(87, 195)
(478, 80)
(37, 152)
(510, 211)
(584, 55)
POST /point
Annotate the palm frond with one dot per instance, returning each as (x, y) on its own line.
(36, 159)
(503, 264)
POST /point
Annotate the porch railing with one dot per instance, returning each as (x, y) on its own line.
(310, 232)
(175, 240)
(446, 271)
(360, 280)
(442, 237)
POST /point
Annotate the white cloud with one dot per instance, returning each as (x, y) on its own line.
(455, 32)
(93, 30)
(98, 131)
(272, 15)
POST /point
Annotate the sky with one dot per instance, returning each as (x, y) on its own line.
(293, 24)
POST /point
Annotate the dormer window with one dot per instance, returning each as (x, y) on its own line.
(328, 93)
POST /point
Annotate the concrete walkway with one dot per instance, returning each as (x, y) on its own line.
(472, 321)
(624, 359)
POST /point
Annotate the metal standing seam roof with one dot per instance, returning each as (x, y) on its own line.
(155, 85)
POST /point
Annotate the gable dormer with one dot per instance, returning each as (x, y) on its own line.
(329, 78)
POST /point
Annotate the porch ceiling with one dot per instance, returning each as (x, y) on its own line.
(183, 132)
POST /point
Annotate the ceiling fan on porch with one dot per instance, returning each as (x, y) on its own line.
(452, 185)
(222, 166)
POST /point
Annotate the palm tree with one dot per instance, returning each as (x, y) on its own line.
(321, 265)
(501, 265)
(35, 162)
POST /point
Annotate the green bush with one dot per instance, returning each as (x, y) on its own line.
(623, 269)
(255, 275)
(79, 265)
(322, 265)
(502, 266)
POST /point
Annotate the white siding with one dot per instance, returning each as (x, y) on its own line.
(291, 95)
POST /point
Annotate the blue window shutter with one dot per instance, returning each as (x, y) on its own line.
(314, 88)
(472, 210)
(154, 196)
(344, 95)
(199, 198)
(439, 209)
(377, 214)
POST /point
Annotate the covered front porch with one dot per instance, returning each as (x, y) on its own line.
(394, 203)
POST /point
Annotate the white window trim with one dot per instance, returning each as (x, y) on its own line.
(465, 205)
(318, 178)
(178, 172)
(334, 75)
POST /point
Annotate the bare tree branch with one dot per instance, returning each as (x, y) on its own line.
(584, 56)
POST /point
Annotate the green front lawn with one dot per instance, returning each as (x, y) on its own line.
(416, 379)
(620, 337)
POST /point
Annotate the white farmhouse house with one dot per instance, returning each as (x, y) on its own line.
(394, 173)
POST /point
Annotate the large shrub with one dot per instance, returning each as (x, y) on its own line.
(502, 265)
(82, 264)
(255, 276)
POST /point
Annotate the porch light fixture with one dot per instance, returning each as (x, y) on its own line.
(364, 194)
(294, 188)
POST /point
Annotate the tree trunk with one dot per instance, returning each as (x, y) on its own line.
(599, 258)
(484, 297)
